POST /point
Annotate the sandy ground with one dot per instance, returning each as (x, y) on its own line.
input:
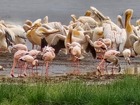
(17, 11)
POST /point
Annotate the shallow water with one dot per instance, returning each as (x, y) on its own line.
(60, 10)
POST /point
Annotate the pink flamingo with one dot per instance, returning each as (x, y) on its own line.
(48, 56)
(17, 55)
(110, 57)
(75, 50)
(107, 42)
(19, 47)
(99, 45)
(29, 60)
(34, 53)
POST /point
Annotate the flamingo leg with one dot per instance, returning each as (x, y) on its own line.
(25, 70)
(20, 71)
(106, 68)
(76, 71)
(20, 65)
(47, 69)
(36, 69)
(100, 67)
(42, 73)
(112, 70)
(32, 71)
(13, 67)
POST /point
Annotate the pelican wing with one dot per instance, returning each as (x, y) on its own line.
(92, 50)
(45, 31)
(58, 46)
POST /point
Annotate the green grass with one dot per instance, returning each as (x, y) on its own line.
(124, 91)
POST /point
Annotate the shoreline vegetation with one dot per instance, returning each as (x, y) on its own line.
(105, 90)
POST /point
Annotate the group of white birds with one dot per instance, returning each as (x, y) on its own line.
(93, 32)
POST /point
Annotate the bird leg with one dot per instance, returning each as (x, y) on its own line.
(20, 65)
(13, 67)
(36, 69)
(76, 71)
(112, 70)
(47, 67)
(127, 60)
(100, 67)
(25, 69)
(106, 67)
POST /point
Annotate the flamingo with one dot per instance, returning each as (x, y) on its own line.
(75, 50)
(28, 60)
(34, 53)
(99, 45)
(17, 55)
(127, 53)
(107, 42)
(18, 47)
(48, 56)
(110, 57)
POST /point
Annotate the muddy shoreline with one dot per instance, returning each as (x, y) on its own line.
(61, 66)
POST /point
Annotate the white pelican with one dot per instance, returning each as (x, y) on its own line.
(127, 53)
(128, 27)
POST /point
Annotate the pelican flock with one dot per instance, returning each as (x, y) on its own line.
(91, 33)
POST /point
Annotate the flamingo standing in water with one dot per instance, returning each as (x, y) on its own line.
(18, 47)
(110, 57)
(75, 50)
(29, 60)
(17, 55)
(48, 56)
(34, 53)
(99, 45)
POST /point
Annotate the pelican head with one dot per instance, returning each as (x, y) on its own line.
(99, 31)
(128, 16)
(88, 13)
(129, 12)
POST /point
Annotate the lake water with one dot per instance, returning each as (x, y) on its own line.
(18, 11)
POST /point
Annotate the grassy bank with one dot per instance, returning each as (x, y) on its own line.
(124, 91)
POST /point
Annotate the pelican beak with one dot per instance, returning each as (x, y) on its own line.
(99, 14)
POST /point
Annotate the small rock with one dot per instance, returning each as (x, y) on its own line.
(1, 67)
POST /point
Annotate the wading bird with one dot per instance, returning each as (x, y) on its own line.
(18, 47)
(75, 50)
(48, 56)
(28, 60)
(110, 57)
(127, 53)
(17, 55)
